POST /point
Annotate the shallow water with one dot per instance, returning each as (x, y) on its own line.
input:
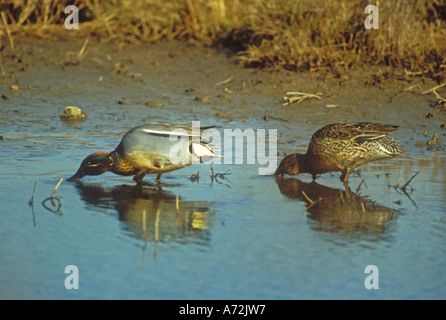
(244, 237)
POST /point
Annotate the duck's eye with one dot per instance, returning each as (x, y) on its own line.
(93, 163)
(96, 161)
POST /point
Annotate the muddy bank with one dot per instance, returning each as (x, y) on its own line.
(171, 81)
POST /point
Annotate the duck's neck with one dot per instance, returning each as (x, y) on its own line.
(302, 162)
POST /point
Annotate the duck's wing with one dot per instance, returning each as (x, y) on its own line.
(358, 131)
(366, 131)
(168, 129)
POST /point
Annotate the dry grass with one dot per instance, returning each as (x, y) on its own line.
(297, 35)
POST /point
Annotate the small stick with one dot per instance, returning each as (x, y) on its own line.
(212, 174)
(414, 86)
(224, 81)
(82, 51)
(30, 201)
(407, 183)
(435, 88)
(438, 96)
(177, 204)
(57, 187)
(1, 67)
(8, 33)
(304, 94)
(362, 206)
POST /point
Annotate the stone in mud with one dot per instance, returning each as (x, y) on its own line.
(72, 113)
(434, 140)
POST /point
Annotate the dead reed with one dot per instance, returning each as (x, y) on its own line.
(297, 35)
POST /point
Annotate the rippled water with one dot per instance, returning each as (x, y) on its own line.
(244, 237)
(249, 236)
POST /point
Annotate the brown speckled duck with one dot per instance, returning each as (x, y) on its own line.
(342, 147)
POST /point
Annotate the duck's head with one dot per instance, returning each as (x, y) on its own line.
(292, 165)
(93, 165)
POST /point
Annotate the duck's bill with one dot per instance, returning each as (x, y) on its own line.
(77, 176)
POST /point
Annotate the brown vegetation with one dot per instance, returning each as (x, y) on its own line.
(297, 35)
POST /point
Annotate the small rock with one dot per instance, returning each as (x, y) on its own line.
(203, 99)
(434, 140)
(5, 97)
(419, 143)
(443, 126)
(154, 104)
(14, 88)
(224, 115)
(71, 113)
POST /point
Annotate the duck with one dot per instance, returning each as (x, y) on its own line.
(149, 149)
(342, 147)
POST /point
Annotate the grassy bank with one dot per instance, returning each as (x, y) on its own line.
(296, 35)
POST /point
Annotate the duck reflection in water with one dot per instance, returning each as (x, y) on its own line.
(337, 210)
(151, 214)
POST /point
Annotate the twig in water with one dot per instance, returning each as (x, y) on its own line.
(56, 205)
(362, 182)
(31, 204)
(221, 176)
(404, 187)
(195, 177)
(407, 183)
(57, 187)
(31, 201)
